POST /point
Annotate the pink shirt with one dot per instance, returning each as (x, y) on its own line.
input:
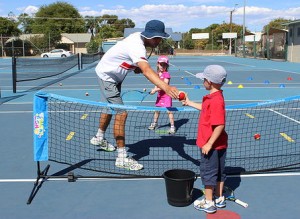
(212, 114)
(163, 100)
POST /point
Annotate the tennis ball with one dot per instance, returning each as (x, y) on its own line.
(181, 96)
(86, 94)
(256, 136)
(145, 90)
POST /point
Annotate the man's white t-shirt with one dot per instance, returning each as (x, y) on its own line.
(122, 58)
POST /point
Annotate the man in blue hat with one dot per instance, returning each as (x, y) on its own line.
(126, 56)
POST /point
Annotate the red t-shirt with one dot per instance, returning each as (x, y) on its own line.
(212, 114)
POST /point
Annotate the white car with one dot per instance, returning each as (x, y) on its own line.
(56, 53)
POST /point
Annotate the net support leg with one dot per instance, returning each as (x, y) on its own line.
(41, 177)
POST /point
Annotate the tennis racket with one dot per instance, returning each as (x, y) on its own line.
(135, 95)
(229, 195)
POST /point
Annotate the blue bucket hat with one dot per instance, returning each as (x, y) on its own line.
(155, 28)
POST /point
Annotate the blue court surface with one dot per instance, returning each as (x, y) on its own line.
(269, 195)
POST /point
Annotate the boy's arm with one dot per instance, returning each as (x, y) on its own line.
(188, 102)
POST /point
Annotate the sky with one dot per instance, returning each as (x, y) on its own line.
(180, 15)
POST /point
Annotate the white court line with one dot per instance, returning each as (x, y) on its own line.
(141, 179)
(294, 120)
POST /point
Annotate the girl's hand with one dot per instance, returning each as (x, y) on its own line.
(153, 91)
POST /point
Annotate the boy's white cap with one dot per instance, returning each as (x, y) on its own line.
(214, 73)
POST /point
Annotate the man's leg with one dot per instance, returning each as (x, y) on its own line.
(119, 129)
(123, 160)
(104, 121)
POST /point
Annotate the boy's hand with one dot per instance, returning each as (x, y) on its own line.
(185, 101)
(206, 148)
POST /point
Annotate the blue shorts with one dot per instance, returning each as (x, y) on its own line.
(212, 167)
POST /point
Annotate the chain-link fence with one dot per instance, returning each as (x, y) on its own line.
(271, 45)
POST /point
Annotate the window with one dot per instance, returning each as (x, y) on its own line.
(298, 31)
(291, 32)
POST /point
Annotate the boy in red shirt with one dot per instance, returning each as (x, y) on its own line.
(211, 138)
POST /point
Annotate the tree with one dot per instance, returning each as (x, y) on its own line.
(104, 27)
(276, 23)
(57, 18)
(26, 23)
(8, 27)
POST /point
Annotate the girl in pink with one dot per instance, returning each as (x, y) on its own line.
(163, 100)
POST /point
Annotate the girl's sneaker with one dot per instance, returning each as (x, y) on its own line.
(172, 130)
(152, 126)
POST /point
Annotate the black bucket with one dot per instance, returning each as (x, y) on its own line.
(179, 186)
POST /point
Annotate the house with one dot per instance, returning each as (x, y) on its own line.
(77, 41)
(293, 40)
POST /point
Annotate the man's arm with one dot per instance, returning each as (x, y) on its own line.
(153, 77)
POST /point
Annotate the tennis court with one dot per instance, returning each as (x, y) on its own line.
(249, 81)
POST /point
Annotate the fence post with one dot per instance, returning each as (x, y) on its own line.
(14, 74)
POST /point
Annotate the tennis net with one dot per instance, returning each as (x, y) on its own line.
(88, 58)
(29, 69)
(63, 128)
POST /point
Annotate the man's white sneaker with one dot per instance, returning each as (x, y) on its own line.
(103, 143)
(128, 163)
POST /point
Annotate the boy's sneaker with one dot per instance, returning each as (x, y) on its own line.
(172, 130)
(128, 163)
(203, 205)
(152, 126)
(103, 143)
(220, 202)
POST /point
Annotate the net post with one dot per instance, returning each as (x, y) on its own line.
(14, 74)
(78, 58)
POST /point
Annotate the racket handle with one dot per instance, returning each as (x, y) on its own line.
(244, 204)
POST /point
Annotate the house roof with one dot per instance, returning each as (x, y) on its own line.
(78, 37)
(24, 37)
(291, 22)
(274, 30)
(71, 37)
(174, 36)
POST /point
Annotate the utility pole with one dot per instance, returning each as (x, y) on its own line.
(244, 28)
(230, 26)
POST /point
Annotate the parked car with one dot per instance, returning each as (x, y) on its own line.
(240, 48)
(56, 53)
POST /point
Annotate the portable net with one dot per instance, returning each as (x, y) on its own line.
(64, 126)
